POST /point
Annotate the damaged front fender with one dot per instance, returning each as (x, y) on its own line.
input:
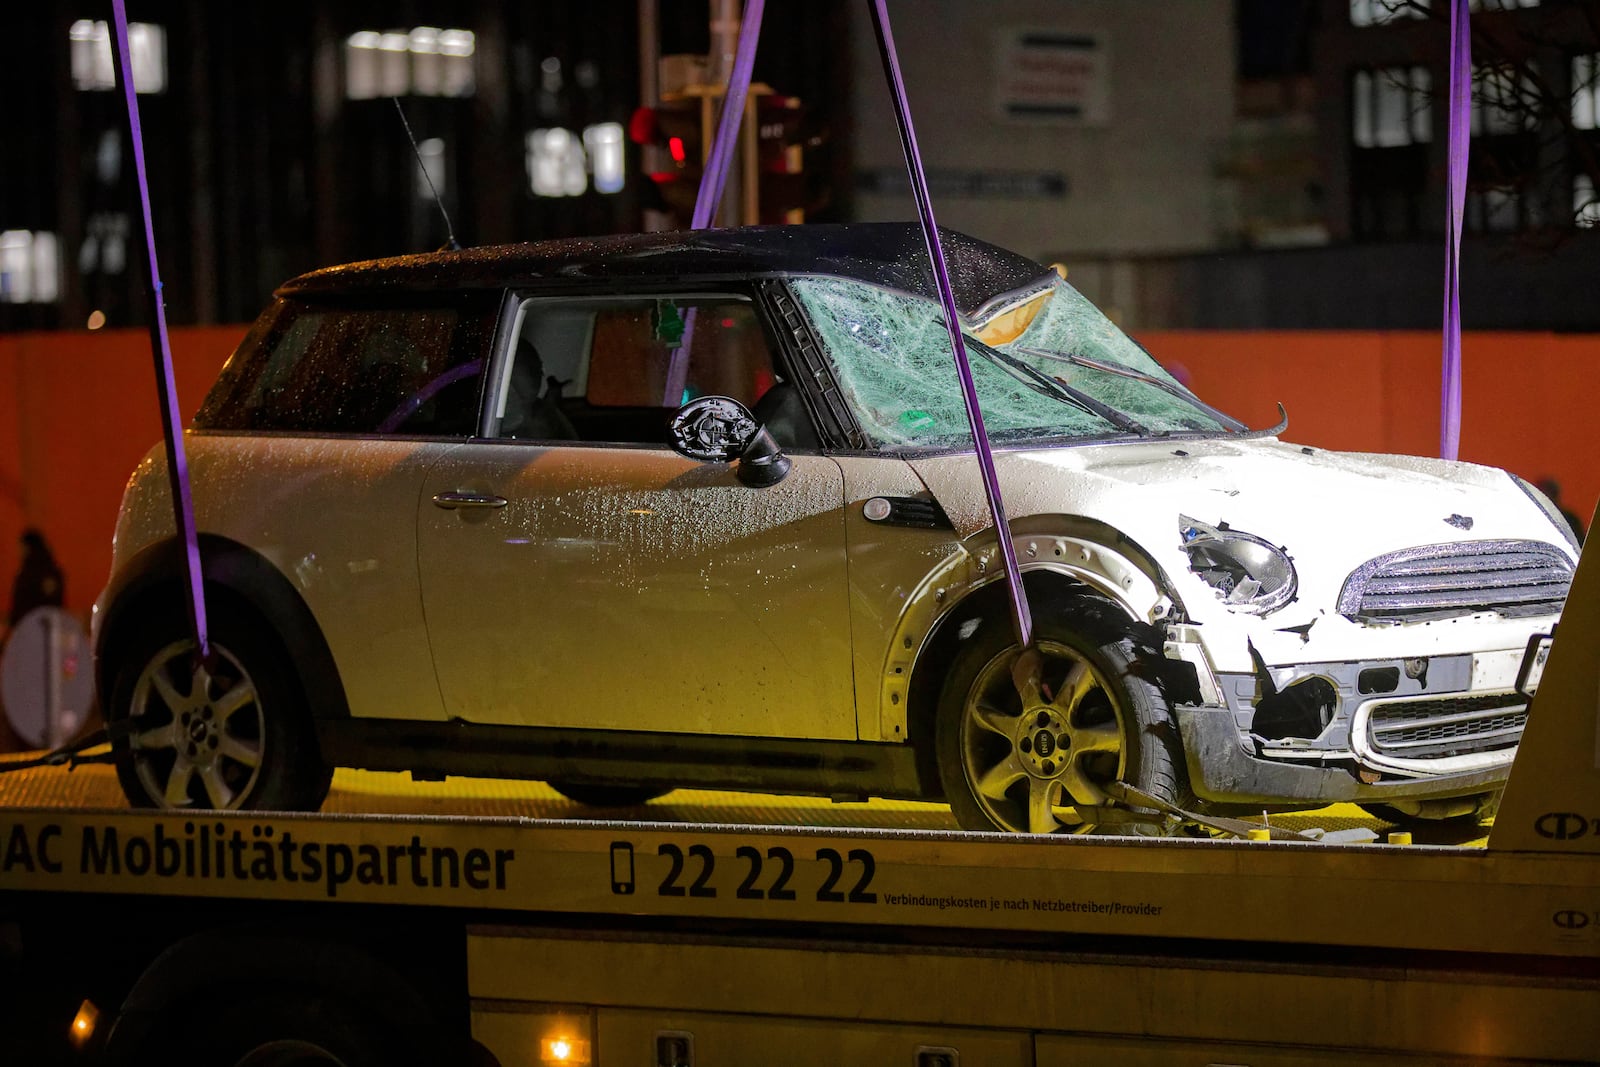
(975, 567)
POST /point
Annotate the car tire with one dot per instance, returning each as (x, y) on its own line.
(235, 734)
(608, 796)
(1022, 765)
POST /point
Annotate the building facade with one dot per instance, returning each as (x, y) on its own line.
(1192, 163)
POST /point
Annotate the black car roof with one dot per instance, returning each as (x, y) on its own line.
(891, 254)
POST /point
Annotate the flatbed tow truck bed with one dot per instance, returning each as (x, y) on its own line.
(481, 923)
(816, 932)
(383, 793)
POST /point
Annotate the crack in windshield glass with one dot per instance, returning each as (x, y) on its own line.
(1053, 368)
(1050, 385)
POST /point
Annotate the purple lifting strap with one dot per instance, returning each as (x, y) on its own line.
(1021, 618)
(1460, 107)
(171, 426)
(714, 180)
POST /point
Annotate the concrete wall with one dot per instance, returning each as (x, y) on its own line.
(77, 411)
(1527, 398)
(1143, 182)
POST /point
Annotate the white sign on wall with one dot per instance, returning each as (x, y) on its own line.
(1058, 77)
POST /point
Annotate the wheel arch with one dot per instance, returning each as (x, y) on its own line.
(154, 580)
(310, 957)
(987, 604)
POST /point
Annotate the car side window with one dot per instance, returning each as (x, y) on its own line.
(596, 369)
(413, 369)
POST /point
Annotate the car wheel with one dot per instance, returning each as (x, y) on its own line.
(608, 796)
(233, 733)
(1023, 740)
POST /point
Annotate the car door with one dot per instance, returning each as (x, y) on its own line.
(312, 450)
(576, 572)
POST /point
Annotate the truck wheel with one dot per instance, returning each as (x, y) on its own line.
(608, 796)
(1023, 740)
(272, 1028)
(233, 733)
(295, 993)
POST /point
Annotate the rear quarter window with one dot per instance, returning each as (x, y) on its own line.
(318, 367)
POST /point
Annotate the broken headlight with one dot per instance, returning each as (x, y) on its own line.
(1248, 573)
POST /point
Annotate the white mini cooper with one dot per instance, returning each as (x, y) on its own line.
(702, 509)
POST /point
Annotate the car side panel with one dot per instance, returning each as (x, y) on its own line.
(889, 567)
(633, 589)
(337, 517)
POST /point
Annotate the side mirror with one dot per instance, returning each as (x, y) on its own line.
(715, 429)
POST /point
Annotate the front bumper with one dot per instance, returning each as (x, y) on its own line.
(1225, 770)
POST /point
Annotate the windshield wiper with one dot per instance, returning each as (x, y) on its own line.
(1119, 370)
(1041, 382)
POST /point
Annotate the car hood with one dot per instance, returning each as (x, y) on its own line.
(1330, 511)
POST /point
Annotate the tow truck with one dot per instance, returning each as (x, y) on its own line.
(480, 923)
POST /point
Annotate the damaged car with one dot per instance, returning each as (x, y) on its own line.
(702, 509)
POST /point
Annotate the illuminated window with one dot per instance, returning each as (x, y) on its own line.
(560, 161)
(1502, 101)
(92, 67)
(556, 163)
(431, 153)
(1391, 107)
(1586, 116)
(1585, 205)
(1586, 91)
(105, 244)
(1377, 12)
(108, 157)
(1505, 151)
(1495, 210)
(604, 145)
(424, 61)
(1391, 126)
(30, 267)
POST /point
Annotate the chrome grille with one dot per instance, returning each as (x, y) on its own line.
(1510, 577)
(1455, 726)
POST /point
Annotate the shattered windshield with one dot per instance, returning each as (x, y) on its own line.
(891, 355)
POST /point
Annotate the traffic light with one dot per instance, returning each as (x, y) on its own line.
(673, 137)
(770, 183)
(782, 138)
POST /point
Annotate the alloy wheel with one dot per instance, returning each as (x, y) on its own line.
(1041, 732)
(202, 730)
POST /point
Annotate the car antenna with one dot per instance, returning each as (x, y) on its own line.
(452, 245)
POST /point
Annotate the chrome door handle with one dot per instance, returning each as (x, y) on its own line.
(450, 501)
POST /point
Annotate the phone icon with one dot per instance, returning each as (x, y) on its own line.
(622, 868)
